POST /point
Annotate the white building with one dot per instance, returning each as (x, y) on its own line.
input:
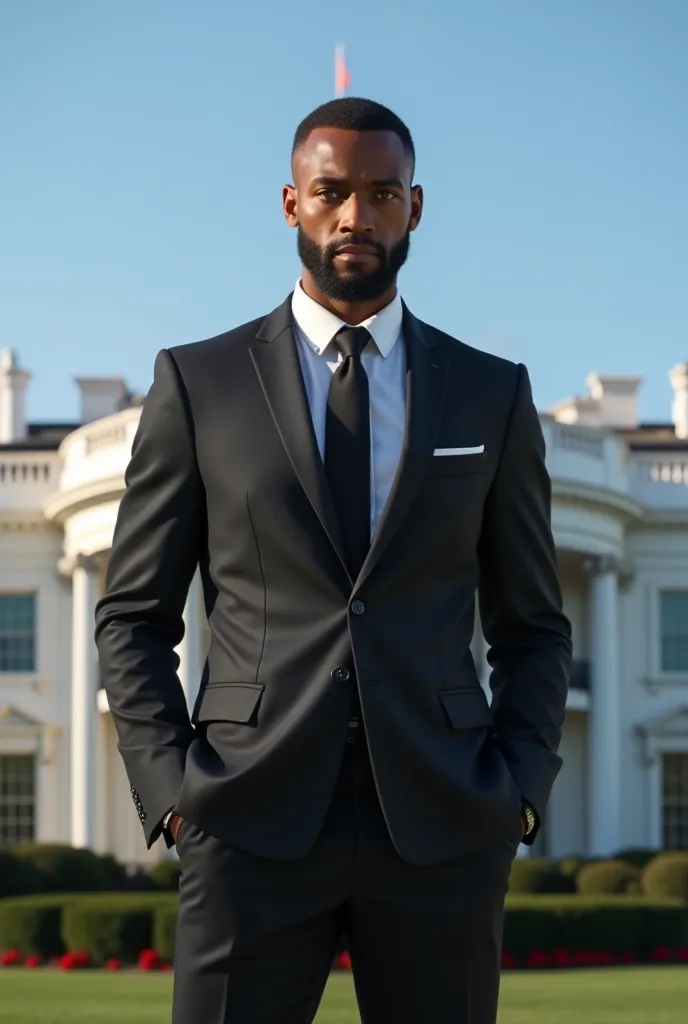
(620, 520)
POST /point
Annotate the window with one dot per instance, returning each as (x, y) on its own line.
(17, 632)
(673, 612)
(675, 801)
(17, 798)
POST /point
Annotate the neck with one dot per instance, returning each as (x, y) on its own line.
(351, 313)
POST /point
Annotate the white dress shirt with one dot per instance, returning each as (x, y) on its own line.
(384, 361)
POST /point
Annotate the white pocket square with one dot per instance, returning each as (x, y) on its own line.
(476, 450)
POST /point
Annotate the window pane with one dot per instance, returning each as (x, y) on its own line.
(674, 630)
(17, 632)
(675, 801)
(17, 798)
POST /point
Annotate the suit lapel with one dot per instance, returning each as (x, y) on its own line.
(276, 362)
(427, 364)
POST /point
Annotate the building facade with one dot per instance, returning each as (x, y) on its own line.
(620, 522)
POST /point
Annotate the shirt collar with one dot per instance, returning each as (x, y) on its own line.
(319, 325)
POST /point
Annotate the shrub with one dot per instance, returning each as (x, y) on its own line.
(530, 875)
(637, 857)
(65, 869)
(140, 881)
(17, 877)
(570, 867)
(165, 928)
(579, 928)
(32, 924)
(608, 876)
(165, 874)
(115, 872)
(108, 929)
(526, 928)
(666, 926)
(667, 875)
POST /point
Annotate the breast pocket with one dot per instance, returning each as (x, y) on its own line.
(457, 465)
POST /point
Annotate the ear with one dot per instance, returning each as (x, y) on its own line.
(416, 206)
(289, 205)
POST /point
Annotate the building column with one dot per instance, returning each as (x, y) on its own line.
(83, 570)
(604, 716)
(189, 650)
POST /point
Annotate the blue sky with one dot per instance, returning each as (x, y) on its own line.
(145, 143)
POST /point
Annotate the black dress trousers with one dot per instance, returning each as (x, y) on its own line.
(256, 937)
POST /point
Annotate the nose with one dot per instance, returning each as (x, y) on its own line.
(356, 216)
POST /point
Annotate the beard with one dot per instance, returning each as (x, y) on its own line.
(357, 284)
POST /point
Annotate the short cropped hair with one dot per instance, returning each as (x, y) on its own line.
(354, 114)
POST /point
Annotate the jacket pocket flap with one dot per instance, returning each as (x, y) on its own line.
(465, 708)
(230, 702)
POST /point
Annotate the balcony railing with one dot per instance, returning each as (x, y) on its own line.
(26, 479)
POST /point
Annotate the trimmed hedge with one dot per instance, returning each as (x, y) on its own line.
(621, 924)
(65, 869)
(108, 930)
(608, 877)
(122, 925)
(165, 929)
(667, 875)
(637, 857)
(32, 924)
(18, 877)
(166, 874)
(117, 925)
(531, 875)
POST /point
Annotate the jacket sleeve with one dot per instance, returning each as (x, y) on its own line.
(156, 548)
(521, 607)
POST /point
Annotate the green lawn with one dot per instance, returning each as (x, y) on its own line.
(654, 995)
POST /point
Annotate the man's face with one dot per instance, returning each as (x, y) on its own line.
(354, 207)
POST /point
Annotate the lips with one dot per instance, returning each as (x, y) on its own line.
(356, 250)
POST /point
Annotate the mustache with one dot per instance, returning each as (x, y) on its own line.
(341, 243)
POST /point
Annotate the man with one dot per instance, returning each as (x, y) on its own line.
(347, 478)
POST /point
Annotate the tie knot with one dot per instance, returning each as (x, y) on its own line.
(351, 341)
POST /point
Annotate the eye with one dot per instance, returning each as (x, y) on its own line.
(330, 195)
(386, 194)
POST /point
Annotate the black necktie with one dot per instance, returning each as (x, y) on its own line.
(347, 445)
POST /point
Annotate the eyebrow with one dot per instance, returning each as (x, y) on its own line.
(379, 183)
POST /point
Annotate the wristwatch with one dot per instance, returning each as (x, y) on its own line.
(529, 815)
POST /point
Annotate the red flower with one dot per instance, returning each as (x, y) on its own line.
(539, 958)
(33, 961)
(113, 964)
(628, 958)
(11, 958)
(662, 954)
(344, 961)
(584, 958)
(509, 961)
(562, 958)
(74, 960)
(149, 960)
(682, 954)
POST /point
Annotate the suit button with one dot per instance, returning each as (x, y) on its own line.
(358, 607)
(341, 674)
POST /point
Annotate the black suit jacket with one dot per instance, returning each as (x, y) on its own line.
(225, 473)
